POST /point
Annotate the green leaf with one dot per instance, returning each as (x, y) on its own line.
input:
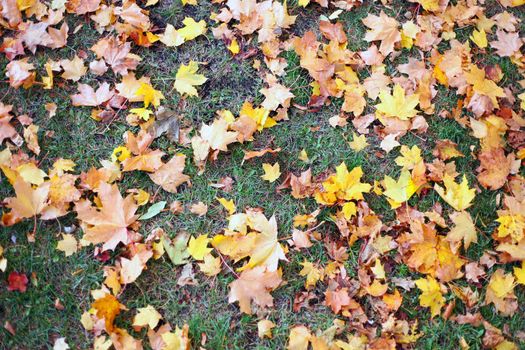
(154, 210)
(178, 249)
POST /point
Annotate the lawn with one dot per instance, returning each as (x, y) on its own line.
(409, 233)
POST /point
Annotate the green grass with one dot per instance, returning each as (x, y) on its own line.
(204, 307)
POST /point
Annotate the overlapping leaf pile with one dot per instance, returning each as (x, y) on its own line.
(387, 101)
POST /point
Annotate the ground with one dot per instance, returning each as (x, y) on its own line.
(204, 306)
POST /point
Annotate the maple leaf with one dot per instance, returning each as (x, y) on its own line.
(261, 245)
(500, 292)
(17, 281)
(68, 244)
(132, 268)
(177, 250)
(186, 79)
(211, 265)
(192, 29)
(170, 175)
(29, 201)
(73, 69)
(217, 136)
(149, 94)
(343, 185)
(109, 223)
(260, 115)
(87, 96)
(508, 44)
(458, 195)
(107, 308)
(198, 247)
(299, 338)
(398, 104)
(264, 329)
(229, 205)
(19, 73)
(337, 299)
(147, 316)
(271, 172)
(401, 190)
(431, 294)
(313, 274)
(358, 143)
(409, 157)
(276, 95)
(382, 28)
(519, 273)
(464, 229)
(267, 251)
(254, 285)
(171, 37)
(479, 37)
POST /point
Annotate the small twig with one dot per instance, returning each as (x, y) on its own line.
(228, 266)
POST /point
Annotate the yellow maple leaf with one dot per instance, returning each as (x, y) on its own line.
(457, 195)
(260, 244)
(147, 316)
(501, 283)
(409, 157)
(120, 153)
(198, 247)
(68, 244)
(186, 79)
(358, 143)
(343, 185)
(401, 190)
(234, 47)
(229, 205)
(150, 95)
(519, 273)
(398, 104)
(479, 37)
(483, 86)
(142, 113)
(313, 274)
(271, 172)
(430, 294)
(260, 115)
(211, 265)
(429, 5)
(192, 29)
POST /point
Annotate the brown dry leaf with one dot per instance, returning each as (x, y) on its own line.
(19, 72)
(170, 175)
(254, 285)
(29, 201)
(87, 96)
(217, 136)
(508, 44)
(383, 28)
(73, 69)
(199, 209)
(109, 223)
(464, 229)
(495, 168)
(338, 300)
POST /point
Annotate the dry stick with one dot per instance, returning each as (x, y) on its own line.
(228, 266)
